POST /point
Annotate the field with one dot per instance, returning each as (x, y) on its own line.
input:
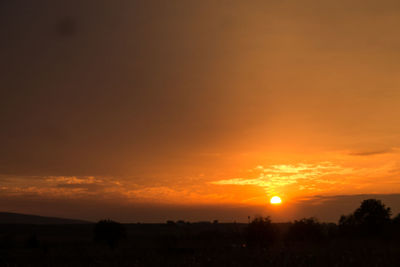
(184, 244)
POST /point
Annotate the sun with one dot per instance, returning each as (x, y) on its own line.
(275, 200)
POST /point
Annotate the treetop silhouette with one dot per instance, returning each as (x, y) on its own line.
(369, 219)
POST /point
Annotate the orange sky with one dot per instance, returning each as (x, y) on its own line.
(210, 105)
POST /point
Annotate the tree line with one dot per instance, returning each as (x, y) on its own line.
(371, 220)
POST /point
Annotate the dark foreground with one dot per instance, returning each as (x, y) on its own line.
(199, 244)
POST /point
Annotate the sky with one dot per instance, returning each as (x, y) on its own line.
(144, 111)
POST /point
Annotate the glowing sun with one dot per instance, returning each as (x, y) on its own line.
(275, 200)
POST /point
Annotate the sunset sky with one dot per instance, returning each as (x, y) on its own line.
(198, 110)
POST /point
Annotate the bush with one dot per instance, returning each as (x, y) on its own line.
(305, 230)
(109, 232)
(261, 233)
(396, 220)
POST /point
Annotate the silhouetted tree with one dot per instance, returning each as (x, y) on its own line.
(170, 222)
(395, 227)
(109, 232)
(307, 229)
(396, 220)
(347, 225)
(261, 233)
(369, 219)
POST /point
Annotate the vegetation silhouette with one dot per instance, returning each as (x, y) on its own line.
(32, 241)
(372, 240)
(109, 232)
(261, 233)
(307, 229)
(370, 219)
(396, 220)
(7, 241)
(395, 227)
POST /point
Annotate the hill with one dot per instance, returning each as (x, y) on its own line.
(17, 218)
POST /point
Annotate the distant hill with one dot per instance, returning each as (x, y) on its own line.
(16, 218)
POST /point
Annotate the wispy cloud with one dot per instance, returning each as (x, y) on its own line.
(111, 188)
(319, 178)
(340, 175)
(55, 186)
(275, 178)
(371, 152)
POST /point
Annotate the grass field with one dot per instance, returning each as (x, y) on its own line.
(193, 244)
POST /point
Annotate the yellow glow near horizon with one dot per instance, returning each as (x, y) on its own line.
(276, 200)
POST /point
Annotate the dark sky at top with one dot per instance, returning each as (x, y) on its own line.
(91, 87)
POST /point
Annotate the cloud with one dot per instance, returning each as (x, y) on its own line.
(371, 152)
(57, 186)
(88, 187)
(111, 188)
(304, 177)
(340, 173)
(73, 180)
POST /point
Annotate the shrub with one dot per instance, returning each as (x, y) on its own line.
(109, 232)
(261, 233)
(396, 220)
(305, 230)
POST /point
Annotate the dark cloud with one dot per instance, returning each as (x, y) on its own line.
(371, 153)
(89, 187)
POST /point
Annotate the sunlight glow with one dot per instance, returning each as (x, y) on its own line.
(276, 200)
